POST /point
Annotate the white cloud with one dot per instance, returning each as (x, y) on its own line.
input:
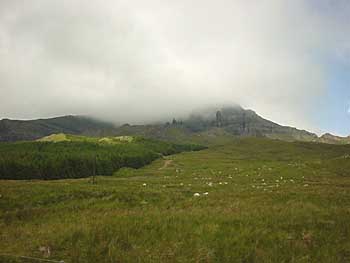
(144, 60)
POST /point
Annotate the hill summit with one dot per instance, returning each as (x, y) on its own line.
(19, 130)
(219, 121)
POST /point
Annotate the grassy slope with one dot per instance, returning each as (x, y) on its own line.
(62, 156)
(61, 137)
(19, 130)
(283, 202)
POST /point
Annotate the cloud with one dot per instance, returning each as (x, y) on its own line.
(135, 61)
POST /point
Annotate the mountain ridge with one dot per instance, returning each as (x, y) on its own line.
(210, 122)
(226, 120)
(334, 139)
(19, 130)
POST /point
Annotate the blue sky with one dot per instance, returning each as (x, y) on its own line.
(332, 113)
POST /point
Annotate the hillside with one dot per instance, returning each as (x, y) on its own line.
(240, 122)
(20, 130)
(249, 200)
(67, 156)
(218, 122)
(332, 139)
(202, 126)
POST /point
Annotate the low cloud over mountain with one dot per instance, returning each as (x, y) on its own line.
(142, 61)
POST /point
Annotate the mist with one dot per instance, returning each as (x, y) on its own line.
(140, 61)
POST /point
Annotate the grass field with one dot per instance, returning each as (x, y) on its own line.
(250, 200)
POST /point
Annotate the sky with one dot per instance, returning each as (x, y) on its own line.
(141, 61)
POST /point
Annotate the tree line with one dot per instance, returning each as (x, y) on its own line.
(48, 160)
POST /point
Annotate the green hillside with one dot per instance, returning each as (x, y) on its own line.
(248, 200)
(21, 130)
(61, 156)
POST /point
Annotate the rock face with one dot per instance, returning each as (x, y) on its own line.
(219, 119)
(240, 122)
(332, 139)
(18, 130)
(212, 122)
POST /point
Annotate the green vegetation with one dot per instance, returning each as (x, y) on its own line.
(266, 201)
(66, 156)
(59, 137)
(21, 130)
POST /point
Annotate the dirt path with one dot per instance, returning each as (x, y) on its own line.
(166, 164)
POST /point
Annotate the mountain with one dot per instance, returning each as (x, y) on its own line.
(215, 122)
(240, 122)
(333, 139)
(17, 130)
(202, 126)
